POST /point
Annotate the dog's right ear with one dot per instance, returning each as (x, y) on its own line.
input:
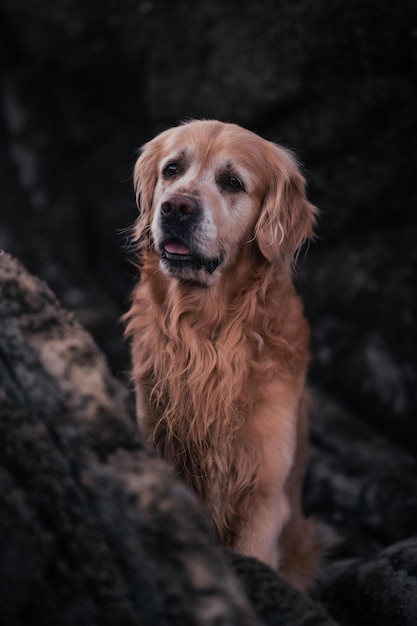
(145, 175)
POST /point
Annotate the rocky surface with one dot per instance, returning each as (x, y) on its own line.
(94, 528)
(81, 88)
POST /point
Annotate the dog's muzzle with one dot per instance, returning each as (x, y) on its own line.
(179, 219)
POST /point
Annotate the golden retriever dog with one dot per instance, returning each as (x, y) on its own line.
(219, 342)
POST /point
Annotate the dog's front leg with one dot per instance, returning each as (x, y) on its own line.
(273, 430)
(260, 535)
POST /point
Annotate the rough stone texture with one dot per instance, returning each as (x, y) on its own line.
(364, 327)
(94, 528)
(82, 86)
(360, 483)
(379, 590)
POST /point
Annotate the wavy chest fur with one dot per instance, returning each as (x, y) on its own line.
(203, 354)
(201, 359)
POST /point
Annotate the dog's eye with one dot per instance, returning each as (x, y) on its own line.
(233, 183)
(170, 170)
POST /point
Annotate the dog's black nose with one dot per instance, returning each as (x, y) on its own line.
(179, 207)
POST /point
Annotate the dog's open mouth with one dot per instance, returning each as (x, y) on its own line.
(177, 251)
(181, 257)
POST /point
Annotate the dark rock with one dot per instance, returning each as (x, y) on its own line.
(275, 600)
(361, 301)
(359, 483)
(94, 528)
(381, 590)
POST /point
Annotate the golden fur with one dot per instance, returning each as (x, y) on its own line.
(219, 341)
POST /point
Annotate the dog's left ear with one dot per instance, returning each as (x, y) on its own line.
(287, 218)
(145, 175)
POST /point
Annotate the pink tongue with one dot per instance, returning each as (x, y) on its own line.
(176, 248)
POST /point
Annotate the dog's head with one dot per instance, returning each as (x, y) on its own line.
(206, 189)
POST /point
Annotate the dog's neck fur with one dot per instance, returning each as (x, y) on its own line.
(193, 342)
(203, 330)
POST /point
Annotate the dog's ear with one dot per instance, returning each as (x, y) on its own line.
(287, 218)
(145, 175)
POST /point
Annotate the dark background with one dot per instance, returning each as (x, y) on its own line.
(84, 84)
